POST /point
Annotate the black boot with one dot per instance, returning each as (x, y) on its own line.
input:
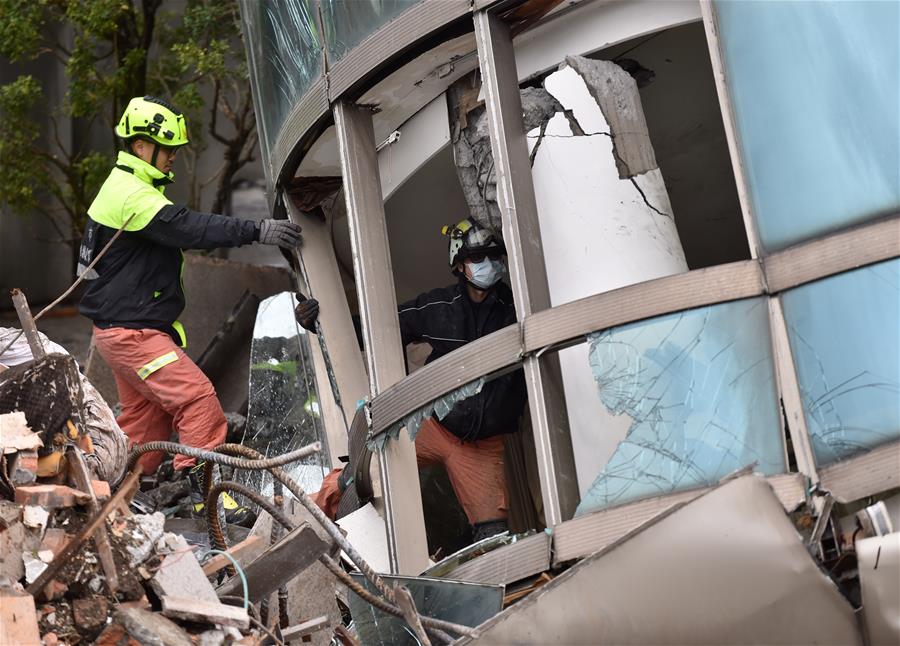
(235, 513)
(480, 531)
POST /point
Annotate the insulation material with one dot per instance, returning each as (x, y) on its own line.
(879, 575)
(726, 568)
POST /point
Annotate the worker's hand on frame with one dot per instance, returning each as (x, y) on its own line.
(307, 312)
(283, 233)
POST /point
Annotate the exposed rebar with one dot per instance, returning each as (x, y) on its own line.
(219, 458)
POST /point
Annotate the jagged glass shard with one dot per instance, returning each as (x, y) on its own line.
(440, 408)
(347, 24)
(283, 412)
(285, 58)
(699, 388)
(816, 90)
(845, 339)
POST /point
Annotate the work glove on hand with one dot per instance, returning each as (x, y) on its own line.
(307, 312)
(283, 233)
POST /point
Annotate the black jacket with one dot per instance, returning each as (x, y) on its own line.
(447, 319)
(137, 283)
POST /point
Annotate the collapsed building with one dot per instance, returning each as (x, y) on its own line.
(700, 216)
(699, 202)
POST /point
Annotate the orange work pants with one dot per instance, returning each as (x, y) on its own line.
(475, 470)
(160, 388)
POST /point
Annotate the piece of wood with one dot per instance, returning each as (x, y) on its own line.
(129, 486)
(237, 550)
(299, 549)
(82, 476)
(51, 496)
(28, 326)
(203, 612)
(303, 629)
(180, 574)
(18, 619)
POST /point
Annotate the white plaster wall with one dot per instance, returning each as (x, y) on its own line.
(598, 234)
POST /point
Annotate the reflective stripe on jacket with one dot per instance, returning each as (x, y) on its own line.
(137, 284)
(446, 318)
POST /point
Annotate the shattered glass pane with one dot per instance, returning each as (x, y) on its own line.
(816, 90)
(469, 604)
(347, 24)
(440, 407)
(283, 414)
(699, 390)
(283, 49)
(845, 339)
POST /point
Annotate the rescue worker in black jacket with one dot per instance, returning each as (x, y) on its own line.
(468, 441)
(135, 294)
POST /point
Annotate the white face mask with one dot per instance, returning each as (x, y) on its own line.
(486, 273)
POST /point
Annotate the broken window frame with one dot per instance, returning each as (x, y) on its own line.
(541, 329)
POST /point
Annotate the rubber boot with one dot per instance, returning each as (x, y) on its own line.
(235, 513)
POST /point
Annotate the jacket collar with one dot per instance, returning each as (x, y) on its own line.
(142, 170)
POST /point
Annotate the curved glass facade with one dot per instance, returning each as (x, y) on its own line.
(284, 47)
(347, 24)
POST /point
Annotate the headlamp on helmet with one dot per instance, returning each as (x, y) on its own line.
(468, 239)
(154, 119)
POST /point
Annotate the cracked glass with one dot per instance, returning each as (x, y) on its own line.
(283, 412)
(845, 339)
(698, 395)
(816, 94)
(347, 24)
(284, 50)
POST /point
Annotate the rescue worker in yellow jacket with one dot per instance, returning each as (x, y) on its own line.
(135, 294)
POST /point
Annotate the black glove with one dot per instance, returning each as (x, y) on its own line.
(307, 312)
(283, 233)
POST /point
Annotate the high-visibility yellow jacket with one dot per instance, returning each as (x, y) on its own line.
(137, 284)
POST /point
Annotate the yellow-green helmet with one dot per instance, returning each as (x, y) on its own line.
(154, 119)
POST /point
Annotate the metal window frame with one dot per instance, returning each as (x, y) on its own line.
(403, 517)
(527, 271)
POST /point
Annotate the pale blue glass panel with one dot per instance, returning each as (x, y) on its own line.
(347, 24)
(699, 390)
(845, 338)
(284, 52)
(816, 94)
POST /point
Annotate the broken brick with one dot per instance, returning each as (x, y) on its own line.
(50, 639)
(50, 496)
(18, 619)
(101, 489)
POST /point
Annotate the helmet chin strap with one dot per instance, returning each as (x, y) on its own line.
(155, 154)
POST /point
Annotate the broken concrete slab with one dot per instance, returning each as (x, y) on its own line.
(726, 568)
(205, 613)
(616, 93)
(287, 558)
(180, 575)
